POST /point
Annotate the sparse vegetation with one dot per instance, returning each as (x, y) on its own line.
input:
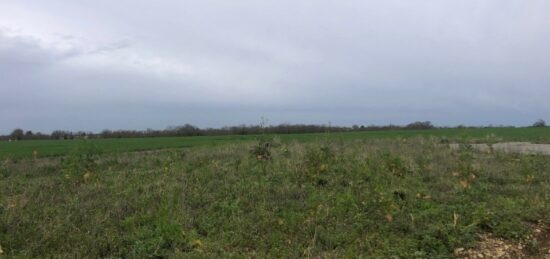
(335, 197)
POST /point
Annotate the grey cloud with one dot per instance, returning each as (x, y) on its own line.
(138, 64)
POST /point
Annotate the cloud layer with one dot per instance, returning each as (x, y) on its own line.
(141, 64)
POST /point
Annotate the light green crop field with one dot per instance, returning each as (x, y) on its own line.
(21, 149)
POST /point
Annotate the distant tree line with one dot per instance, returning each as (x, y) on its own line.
(190, 130)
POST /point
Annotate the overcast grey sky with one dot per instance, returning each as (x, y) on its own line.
(129, 64)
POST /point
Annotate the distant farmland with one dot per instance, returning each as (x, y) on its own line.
(21, 149)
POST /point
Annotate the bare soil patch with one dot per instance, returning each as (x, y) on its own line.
(511, 147)
(535, 246)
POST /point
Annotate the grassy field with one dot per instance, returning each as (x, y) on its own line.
(372, 195)
(22, 149)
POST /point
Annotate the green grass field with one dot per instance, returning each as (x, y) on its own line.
(21, 149)
(392, 194)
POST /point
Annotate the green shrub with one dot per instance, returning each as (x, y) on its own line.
(262, 150)
(394, 164)
(81, 163)
(317, 161)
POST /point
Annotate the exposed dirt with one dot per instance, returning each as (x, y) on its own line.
(535, 246)
(511, 147)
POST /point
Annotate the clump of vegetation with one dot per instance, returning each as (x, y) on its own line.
(262, 150)
(4, 171)
(395, 164)
(318, 159)
(81, 163)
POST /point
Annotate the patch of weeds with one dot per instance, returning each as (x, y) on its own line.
(169, 162)
(153, 236)
(466, 173)
(261, 151)
(81, 163)
(509, 227)
(423, 162)
(466, 153)
(443, 239)
(317, 160)
(502, 223)
(533, 166)
(285, 151)
(4, 171)
(395, 164)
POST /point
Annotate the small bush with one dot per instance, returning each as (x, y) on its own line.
(262, 150)
(395, 165)
(81, 162)
(317, 160)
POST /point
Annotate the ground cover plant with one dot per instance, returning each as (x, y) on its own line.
(334, 197)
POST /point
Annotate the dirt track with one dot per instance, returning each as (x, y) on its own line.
(511, 147)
